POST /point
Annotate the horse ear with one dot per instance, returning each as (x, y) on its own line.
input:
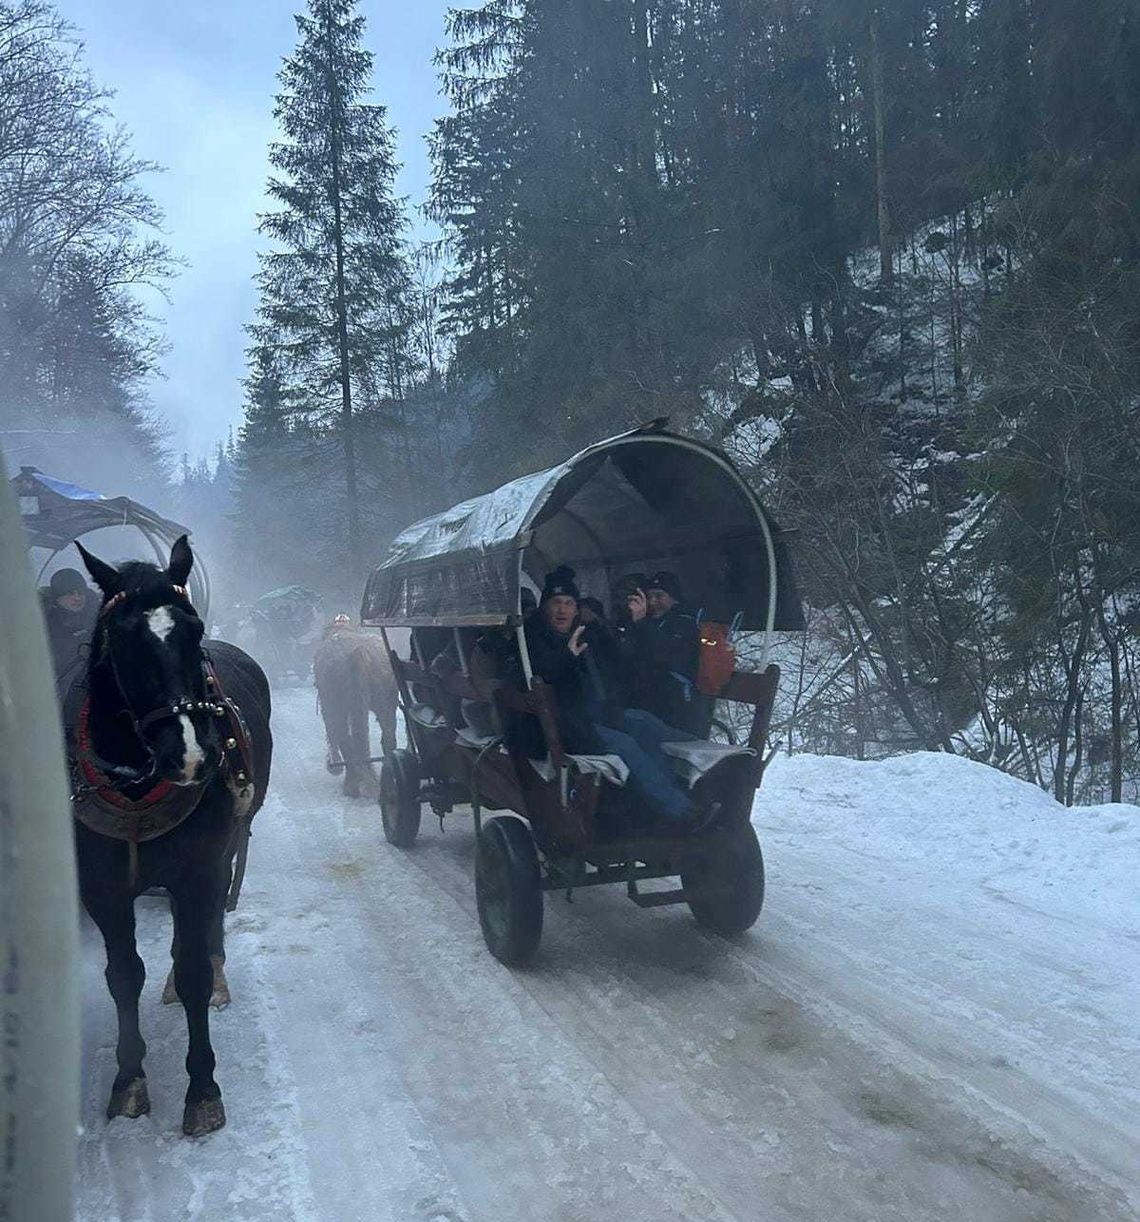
(181, 561)
(105, 576)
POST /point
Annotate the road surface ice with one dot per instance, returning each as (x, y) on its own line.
(934, 1018)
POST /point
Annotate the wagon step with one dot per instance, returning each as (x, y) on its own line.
(655, 899)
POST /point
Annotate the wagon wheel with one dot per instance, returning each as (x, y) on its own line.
(721, 732)
(726, 887)
(508, 890)
(400, 798)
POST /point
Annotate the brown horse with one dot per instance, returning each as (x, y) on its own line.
(354, 678)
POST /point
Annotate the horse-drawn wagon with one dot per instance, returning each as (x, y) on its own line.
(645, 499)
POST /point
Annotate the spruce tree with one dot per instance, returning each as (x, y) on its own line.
(334, 287)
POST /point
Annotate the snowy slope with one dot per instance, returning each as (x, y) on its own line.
(934, 1018)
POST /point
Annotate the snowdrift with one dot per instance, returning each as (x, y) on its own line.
(963, 823)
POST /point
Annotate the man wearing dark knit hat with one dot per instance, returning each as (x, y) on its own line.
(558, 647)
(70, 613)
(664, 641)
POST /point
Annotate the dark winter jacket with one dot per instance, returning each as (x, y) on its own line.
(69, 631)
(552, 661)
(609, 687)
(662, 656)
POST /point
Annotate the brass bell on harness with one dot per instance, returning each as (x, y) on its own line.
(231, 743)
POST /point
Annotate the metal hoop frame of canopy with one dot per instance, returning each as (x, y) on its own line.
(56, 513)
(649, 500)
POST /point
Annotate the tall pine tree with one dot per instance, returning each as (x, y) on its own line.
(334, 309)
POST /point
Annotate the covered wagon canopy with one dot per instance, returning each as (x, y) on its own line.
(56, 513)
(641, 501)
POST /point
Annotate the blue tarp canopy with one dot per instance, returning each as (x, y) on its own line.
(55, 513)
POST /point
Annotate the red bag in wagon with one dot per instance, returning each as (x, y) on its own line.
(716, 657)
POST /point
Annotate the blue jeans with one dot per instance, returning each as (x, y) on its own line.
(650, 731)
(651, 775)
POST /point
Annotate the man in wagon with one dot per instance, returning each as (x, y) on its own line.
(663, 641)
(71, 608)
(590, 711)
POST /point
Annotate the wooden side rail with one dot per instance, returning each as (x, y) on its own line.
(412, 672)
(538, 702)
(759, 690)
(748, 687)
(454, 683)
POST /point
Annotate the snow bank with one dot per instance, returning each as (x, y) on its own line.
(950, 816)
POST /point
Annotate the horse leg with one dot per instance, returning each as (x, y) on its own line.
(332, 752)
(340, 735)
(220, 994)
(358, 736)
(220, 987)
(194, 977)
(125, 974)
(385, 710)
(169, 990)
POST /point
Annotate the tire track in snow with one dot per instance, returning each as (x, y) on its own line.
(643, 1069)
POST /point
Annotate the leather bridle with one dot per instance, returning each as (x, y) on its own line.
(164, 712)
(117, 600)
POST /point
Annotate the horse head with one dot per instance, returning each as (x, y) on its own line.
(147, 663)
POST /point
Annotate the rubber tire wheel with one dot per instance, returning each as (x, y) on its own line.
(726, 732)
(399, 798)
(508, 890)
(726, 892)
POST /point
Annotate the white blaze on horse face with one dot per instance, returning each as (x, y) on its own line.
(192, 753)
(160, 622)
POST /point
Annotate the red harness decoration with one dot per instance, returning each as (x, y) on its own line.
(100, 783)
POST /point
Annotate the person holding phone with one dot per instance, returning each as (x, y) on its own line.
(663, 644)
(559, 646)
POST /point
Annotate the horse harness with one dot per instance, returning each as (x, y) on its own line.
(98, 803)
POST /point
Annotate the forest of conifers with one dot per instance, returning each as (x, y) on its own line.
(886, 254)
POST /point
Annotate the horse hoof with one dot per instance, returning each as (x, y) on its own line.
(169, 991)
(204, 1116)
(132, 1101)
(220, 997)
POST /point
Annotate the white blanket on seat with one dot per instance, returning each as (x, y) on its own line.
(692, 759)
(466, 737)
(610, 768)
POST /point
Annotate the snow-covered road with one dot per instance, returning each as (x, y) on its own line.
(934, 1018)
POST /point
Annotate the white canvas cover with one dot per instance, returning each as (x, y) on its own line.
(639, 501)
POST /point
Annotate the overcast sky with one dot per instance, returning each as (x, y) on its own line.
(195, 82)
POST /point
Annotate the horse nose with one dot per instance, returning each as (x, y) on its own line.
(186, 752)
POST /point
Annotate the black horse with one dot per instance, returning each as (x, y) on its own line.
(170, 746)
